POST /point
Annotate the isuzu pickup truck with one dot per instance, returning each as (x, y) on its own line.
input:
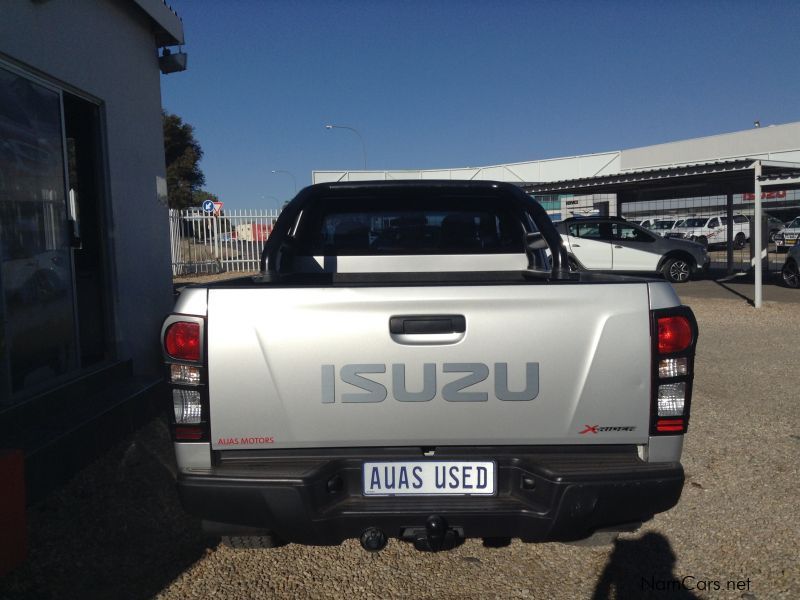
(417, 361)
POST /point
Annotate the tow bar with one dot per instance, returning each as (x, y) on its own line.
(435, 537)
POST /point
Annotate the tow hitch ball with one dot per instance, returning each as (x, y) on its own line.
(437, 536)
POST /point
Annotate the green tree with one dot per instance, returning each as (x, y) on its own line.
(199, 196)
(183, 153)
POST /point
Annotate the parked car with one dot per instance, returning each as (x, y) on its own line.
(790, 272)
(614, 244)
(647, 223)
(663, 226)
(775, 226)
(713, 229)
(788, 236)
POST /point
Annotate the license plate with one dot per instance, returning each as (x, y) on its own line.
(430, 478)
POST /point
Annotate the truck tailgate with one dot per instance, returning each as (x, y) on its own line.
(309, 367)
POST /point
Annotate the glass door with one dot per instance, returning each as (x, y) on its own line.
(37, 308)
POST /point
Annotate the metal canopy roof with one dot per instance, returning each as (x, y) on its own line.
(786, 180)
(701, 179)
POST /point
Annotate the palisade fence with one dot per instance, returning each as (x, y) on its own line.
(204, 243)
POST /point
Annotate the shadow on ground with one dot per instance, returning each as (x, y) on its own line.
(641, 568)
(115, 531)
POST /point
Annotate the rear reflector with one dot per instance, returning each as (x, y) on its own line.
(674, 334)
(670, 425)
(182, 340)
(189, 433)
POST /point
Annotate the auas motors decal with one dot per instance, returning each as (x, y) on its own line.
(454, 391)
(245, 441)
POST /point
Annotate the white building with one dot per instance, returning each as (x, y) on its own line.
(778, 144)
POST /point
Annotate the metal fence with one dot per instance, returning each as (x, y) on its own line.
(208, 243)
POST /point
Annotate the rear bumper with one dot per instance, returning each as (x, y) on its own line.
(551, 495)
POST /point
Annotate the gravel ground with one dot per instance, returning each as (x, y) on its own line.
(116, 531)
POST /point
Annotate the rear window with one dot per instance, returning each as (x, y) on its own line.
(694, 222)
(407, 225)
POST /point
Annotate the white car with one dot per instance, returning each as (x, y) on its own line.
(647, 223)
(614, 244)
(663, 226)
(786, 238)
(713, 229)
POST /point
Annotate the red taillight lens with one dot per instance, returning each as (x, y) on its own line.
(182, 340)
(189, 433)
(670, 425)
(674, 334)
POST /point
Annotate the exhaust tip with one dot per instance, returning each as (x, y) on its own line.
(373, 540)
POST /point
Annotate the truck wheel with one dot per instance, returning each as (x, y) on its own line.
(251, 541)
(702, 240)
(791, 277)
(739, 241)
(677, 270)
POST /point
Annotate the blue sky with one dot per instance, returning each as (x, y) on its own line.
(454, 84)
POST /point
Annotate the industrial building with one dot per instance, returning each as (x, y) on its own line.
(563, 184)
(698, 177)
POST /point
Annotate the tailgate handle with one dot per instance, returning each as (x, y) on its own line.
(427, 324)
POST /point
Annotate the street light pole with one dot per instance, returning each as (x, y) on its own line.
(289, 173)
(363, 146)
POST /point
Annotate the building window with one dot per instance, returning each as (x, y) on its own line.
(37, 306)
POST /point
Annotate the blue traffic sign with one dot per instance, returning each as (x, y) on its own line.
(208, 206)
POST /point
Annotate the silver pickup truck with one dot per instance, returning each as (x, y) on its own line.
(416, 361)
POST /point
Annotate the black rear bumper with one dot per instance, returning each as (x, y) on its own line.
(556, 494)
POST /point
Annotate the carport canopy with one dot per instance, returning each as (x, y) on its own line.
(718, 178)
(786, 180)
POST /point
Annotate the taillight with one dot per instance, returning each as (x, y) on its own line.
(674, 333)
(188, 383)
(182, 340)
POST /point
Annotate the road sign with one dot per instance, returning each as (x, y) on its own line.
(208, 206)
(217, 208)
